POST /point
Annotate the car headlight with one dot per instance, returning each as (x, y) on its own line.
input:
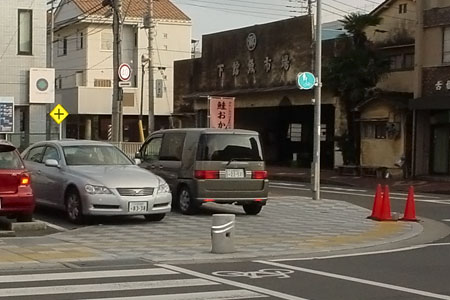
(96, 189)
(163, 187)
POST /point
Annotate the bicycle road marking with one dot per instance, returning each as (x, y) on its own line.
(232, 283)
(263, 273)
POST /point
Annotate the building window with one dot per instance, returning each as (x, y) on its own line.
(107, 41)
(446, 45)
(79, 80)
(374, 130)
(25, 32)
(58, 82)
(80, 40)
(165, 35)
(402, 62)
(403, 8)
(408, 61)
(62, 47)
(102, 83)
(294, 133)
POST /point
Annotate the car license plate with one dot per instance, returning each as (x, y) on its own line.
(234, 173)
(137, 207)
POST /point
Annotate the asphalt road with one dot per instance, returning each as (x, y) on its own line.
(415, 272)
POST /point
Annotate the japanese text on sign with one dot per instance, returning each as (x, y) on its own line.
(221, 112)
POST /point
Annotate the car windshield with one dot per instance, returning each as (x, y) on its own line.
(94, 155)
(9, 159)
(226, 147)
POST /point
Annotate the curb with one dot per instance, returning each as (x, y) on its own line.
(22, 226)
(308, 180)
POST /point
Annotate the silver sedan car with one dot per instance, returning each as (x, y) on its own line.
(94, 178)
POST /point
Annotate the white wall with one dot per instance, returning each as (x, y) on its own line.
(15, 68)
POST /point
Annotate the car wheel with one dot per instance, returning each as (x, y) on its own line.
(154, 217)
(73, 207)
(252, 209)
(185, 201)
(25, 218)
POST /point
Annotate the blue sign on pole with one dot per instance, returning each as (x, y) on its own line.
(306, 80)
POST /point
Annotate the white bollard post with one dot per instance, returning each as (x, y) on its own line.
(222, 233)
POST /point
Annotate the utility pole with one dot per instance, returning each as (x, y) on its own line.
(51, 64)
(310, 2)
(151, 101)
(116, 118)
(317, 102)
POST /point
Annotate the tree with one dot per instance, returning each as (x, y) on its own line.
(353, 73)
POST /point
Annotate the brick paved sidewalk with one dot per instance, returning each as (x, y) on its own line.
(440, 185)
(287, 226)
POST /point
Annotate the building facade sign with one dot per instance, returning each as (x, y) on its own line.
(42, 85)
(6, 114)
(221, 111)
(262, 56)
(436, 81)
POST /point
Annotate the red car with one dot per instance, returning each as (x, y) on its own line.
(16, 195)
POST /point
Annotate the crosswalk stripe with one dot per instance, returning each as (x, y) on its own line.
(84, 275)
(104, 287)
(218, 295)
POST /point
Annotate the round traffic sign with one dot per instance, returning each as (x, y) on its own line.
(42, 84)
(306, 80)
(124, 72)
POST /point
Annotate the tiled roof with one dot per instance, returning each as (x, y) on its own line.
(162, 9)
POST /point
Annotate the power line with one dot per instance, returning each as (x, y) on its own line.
(245, 12)
(388, 16)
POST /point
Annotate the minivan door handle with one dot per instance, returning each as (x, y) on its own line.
(152, 166)
(161, 166)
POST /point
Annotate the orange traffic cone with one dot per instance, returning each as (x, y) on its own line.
(386, 207)
(410, 209)
(377, 203)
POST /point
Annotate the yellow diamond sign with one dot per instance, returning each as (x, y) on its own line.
(59, 113)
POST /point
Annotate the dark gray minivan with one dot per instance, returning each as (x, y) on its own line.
(208, 165)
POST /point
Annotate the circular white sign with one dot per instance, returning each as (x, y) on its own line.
(251, 41)
(124, 72)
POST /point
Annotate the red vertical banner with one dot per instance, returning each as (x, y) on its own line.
(221, 112)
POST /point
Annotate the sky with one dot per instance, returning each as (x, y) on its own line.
(209, 16)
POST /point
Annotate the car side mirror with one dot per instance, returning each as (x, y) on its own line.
(52, 163)
(138, 155)
(137, 161)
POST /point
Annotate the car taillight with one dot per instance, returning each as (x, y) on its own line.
(259, 174)
(24, 179)
(202, 174)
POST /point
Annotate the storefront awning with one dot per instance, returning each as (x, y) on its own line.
(236, 92)
(430, 102)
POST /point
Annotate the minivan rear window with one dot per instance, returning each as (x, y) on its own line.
(226, 147)
(9, 159)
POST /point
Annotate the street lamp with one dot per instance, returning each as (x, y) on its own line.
(144, 62)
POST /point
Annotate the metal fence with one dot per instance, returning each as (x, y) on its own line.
(22, 141)
(129, 148)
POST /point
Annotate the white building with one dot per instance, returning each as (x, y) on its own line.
(83, 59)
(22, 47)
